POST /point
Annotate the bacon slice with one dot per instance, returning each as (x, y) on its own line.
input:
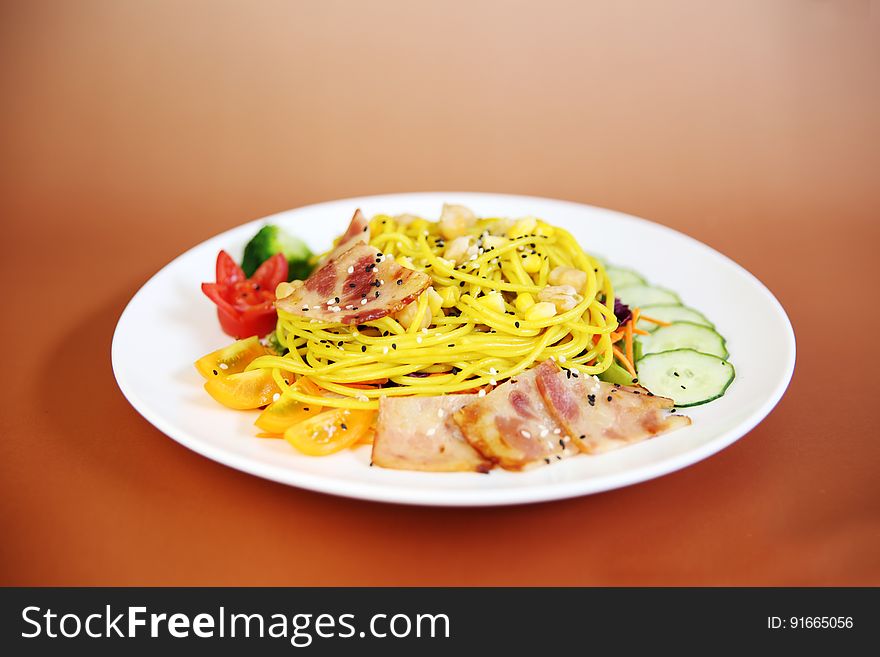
(356, 286)
(418, 433)
(358, 231)
(602, 416)
(512, 427)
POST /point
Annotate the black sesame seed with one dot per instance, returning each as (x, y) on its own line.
(450, 345)
(650, 394)
(215, 372)
(399, 282)
(377, 294)
(675, 373)
(351, 285)
(561, 444)
(592, 400)
(683, 388)
(516, 324)
(363, 347)
(461, 284)
(343, 427)
(393, 346)
(616, 385)
(547, 461)
(609, 397)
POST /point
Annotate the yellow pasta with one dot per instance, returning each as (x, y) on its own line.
(481, 322)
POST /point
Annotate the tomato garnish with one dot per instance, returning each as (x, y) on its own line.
(246, 306)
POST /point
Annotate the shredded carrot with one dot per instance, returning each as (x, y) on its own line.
(638, 331)
(269, 435)
(616, 337)
(659, 322)
(624, 361)
(629, 341)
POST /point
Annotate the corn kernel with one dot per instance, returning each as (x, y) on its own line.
(545, 230)
(449, 295)
(524, 301)
(522, 227)
(532, 263)
(494, 301)
(494, 241)
(540, 312)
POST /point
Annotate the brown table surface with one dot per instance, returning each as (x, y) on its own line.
(132, 131)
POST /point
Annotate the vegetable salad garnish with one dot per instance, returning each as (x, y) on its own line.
(480, 342)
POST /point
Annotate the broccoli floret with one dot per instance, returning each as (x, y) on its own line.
(271, 240)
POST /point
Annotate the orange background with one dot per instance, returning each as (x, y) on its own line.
(133, 130)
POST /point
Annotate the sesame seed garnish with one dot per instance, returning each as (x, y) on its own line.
(343, 427)
(363, 301)
(431, 431)
(516, 324)
(609, 397)
(525, 434)
(276, 396)
(384, 350)
(393, 346)
(351, 269)
(363, 347)
(482, 393)
(399, 282)
(547, 461)
(216, 373)
(419, 339)
(451, 345)
(591, 399)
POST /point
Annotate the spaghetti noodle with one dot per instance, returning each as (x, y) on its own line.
(481, 322)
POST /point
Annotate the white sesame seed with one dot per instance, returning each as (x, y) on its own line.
(561, 359)
(419, 339)
(362, 398)
(557, 431)
(493, 382)
(424, 330)
(384, 350)
(224, 366)
(525, 434)
(363, 301)
(331, 301)
(492, 370)
(351, 269)
(482, 393)
(276, 396)
(431, 431)
(544, 433)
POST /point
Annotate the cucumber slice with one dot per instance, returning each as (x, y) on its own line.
(621, 277)
(686, 376)
(684, 335)
(672, 314)
(646, 295)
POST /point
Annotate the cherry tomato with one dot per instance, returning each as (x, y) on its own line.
(284, 413)
(244, 390)
(329, 431)
(231, 359)
(246, 306)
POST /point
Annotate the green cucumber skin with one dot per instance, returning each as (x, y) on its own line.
(707, 399)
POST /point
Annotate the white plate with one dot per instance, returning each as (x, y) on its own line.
(169, 324)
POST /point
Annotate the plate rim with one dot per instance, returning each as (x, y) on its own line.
(469, 497)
